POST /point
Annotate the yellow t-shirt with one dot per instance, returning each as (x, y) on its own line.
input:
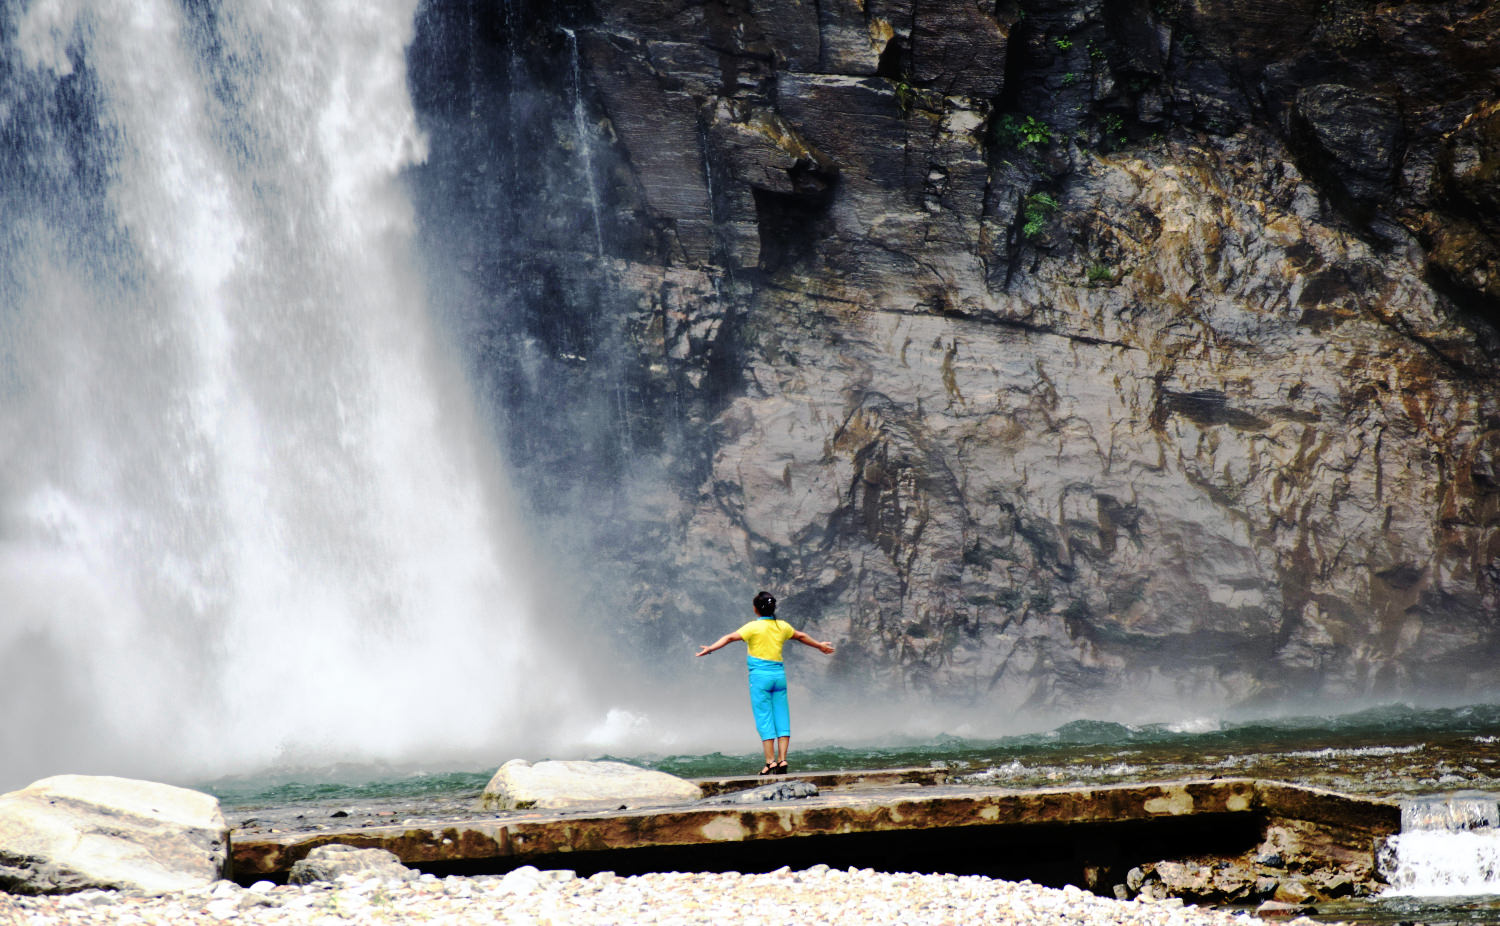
(764, 637)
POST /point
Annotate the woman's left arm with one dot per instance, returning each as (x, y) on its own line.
(801, 637)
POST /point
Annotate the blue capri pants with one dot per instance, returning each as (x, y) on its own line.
(768, 698)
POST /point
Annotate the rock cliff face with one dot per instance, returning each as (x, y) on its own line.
(1044, 353)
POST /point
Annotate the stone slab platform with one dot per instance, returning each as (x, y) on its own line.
(913, 801)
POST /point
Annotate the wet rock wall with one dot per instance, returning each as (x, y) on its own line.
(1054, 354)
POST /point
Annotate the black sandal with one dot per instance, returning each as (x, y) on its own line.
(768, 769)
(781, 768)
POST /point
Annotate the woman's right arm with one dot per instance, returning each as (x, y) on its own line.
(720, 643)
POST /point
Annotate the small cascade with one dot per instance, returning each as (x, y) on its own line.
(1450, 814)
(585, 150)
(513, 79)
(580, 125)
(471, 65)
(708, 177)
(1448, 846)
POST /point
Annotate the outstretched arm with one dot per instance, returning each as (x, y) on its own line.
(720, 643)
(801, 637)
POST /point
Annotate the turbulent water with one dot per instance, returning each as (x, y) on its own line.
(1392, 751)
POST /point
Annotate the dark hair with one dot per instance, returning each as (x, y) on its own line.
(765, 604)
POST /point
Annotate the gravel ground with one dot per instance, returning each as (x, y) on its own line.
(558, 898)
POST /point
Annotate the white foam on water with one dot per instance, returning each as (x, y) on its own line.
(247, 514)
(1196, 725)
(624, 730)
(1334, 752)
(1434, 863)
(1447, 847)
(1010, 770)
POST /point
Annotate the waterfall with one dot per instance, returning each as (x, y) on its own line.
(247, 516)
(1448, 846)
(580, 127)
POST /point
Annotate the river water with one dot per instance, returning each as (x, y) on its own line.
(1410, 754)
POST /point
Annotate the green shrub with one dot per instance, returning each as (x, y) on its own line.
(1112, 130)
(906, 94)
(1026, 133)
(1036, 209)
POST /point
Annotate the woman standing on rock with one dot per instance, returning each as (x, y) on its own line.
(764, 638)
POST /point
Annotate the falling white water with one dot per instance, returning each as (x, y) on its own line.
(513, 82)
(246, 516)
(1447, 847)
(580, 127)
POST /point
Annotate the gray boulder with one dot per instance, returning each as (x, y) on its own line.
(528, 879)
(789, 790)
(331, 862)
(562, 784)
(76, 832)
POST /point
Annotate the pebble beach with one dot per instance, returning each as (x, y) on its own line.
(528, 897)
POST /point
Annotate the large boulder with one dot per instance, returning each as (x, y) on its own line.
(76, 832)
(561, 784)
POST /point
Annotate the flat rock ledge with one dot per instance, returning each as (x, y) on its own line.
(1239, 841)
(564, 784)
(77, 832)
